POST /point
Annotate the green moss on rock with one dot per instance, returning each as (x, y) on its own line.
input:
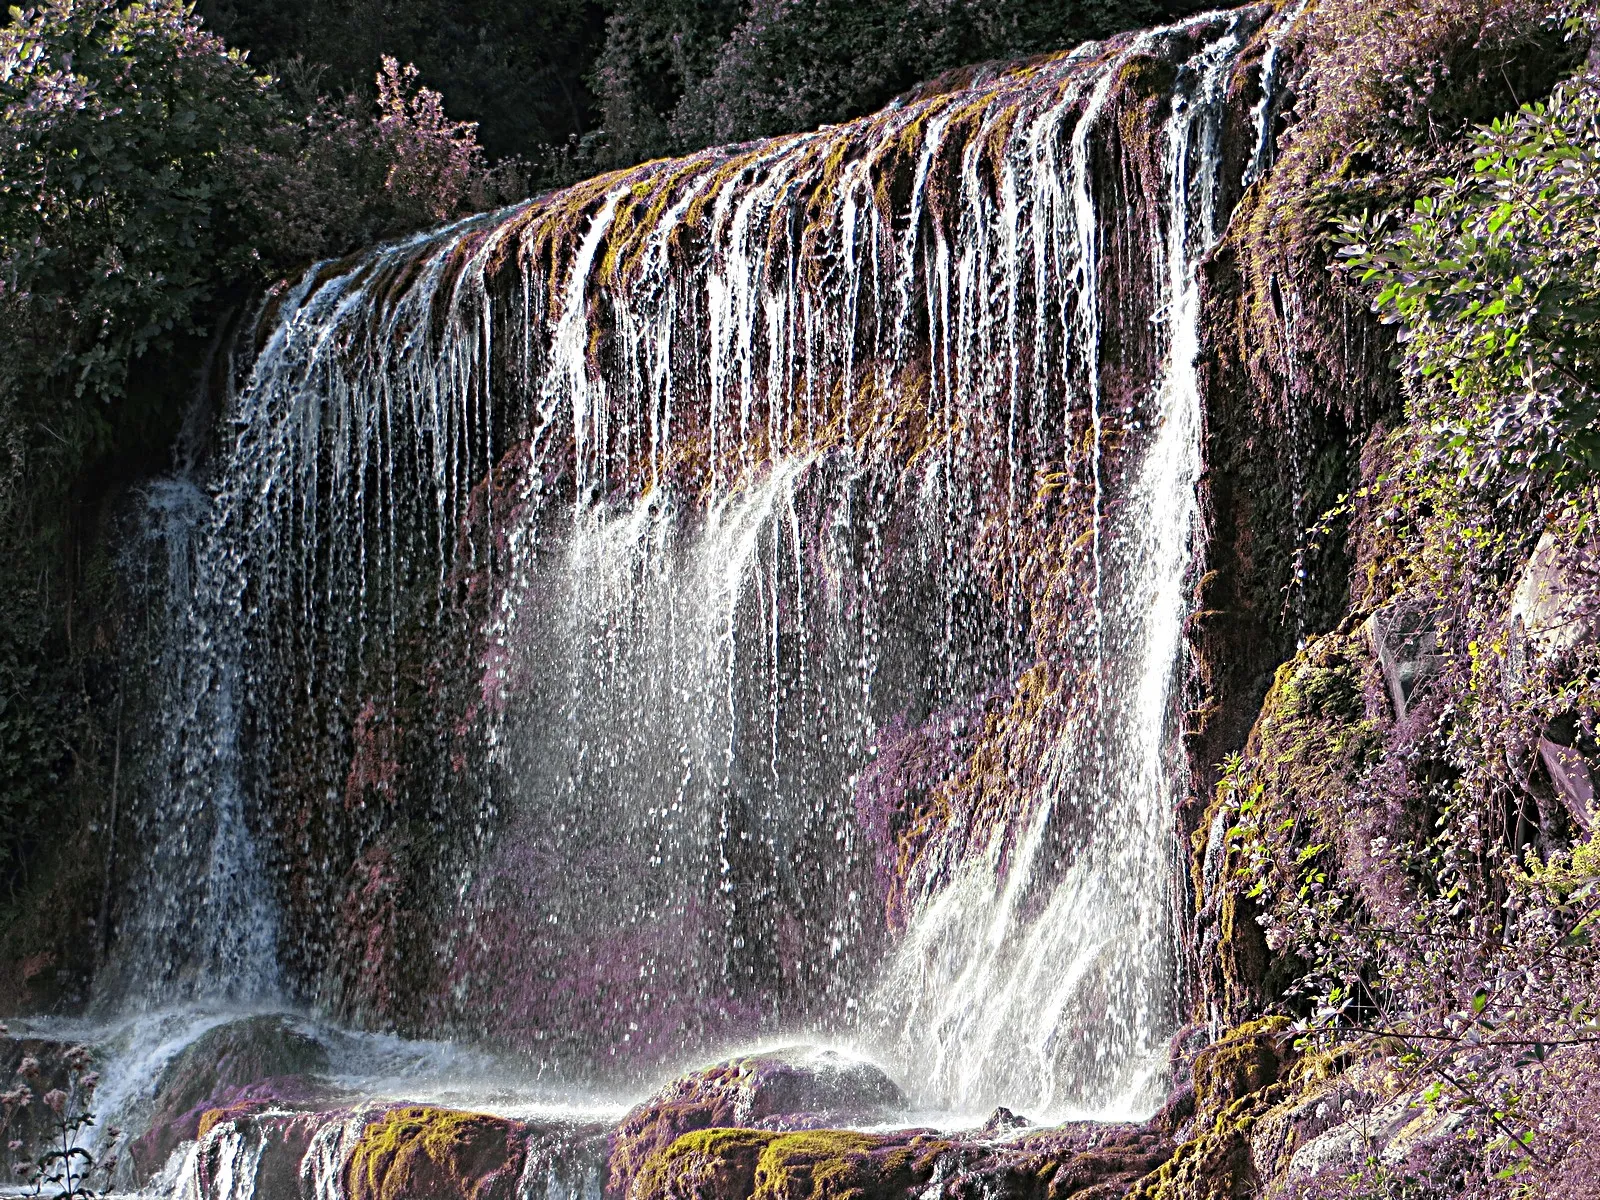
(1241, 1064)
(434, 1152)
(814, 1164)
(768, 1089)
(834, 1163)
(1236, 1080)
(708, 1164)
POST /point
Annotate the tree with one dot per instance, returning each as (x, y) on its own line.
(150, 179)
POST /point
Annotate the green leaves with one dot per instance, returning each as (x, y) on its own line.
(147, 170)
(1495, 281)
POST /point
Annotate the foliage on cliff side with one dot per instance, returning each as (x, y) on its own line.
(1495, 281)
(1410, 819)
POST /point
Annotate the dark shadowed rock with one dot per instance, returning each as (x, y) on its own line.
(1571, 778)
(1405, 642)
(1002, 1122)
(243, 1066)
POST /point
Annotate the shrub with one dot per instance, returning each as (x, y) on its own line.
(150, 178)
(1495, 284)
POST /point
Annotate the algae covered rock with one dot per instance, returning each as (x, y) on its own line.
(1252, 1056)
(751, 1129)
(788, 1088)
(1237, 1080)
(708, 1164)
(1085, 1160)
(423, 1151)
(746, 1164)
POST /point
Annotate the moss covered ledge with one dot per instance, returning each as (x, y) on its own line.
(419, 1151)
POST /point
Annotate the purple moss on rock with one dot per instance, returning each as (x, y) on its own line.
(255, 1062)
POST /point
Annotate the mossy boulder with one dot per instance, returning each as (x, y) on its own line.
(420, 1151)
(761, 1164)
(1259, 1102)
(831, 1162)
(708, 1164)
(1086, 1161)
(1252, 1056)
(257, 1062)
(777, 1089)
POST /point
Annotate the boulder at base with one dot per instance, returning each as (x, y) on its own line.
(255, 1063)
(1086, 1161)
(794, 1088)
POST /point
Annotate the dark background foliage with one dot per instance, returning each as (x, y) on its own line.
(518, 67)
(575, 85)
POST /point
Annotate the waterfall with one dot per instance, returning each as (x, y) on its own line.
(736, 597)
(1072, 1001)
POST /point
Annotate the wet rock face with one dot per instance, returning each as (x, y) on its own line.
(238, 1068)
(771, 1126)
(792, 1088)
(275, 1145)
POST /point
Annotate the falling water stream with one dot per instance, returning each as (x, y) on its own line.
(737, 599)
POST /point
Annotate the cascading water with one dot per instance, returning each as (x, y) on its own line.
(738, 597)
(1070, 1000)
